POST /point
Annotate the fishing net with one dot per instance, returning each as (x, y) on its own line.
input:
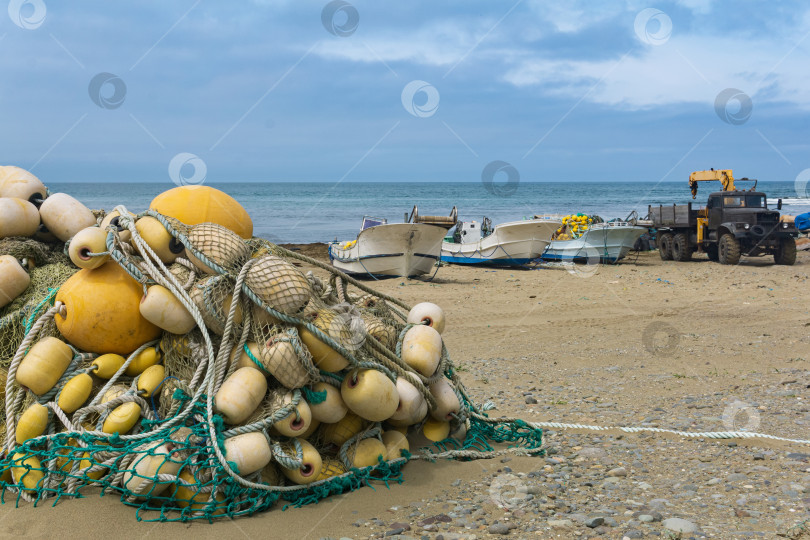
(156, 431)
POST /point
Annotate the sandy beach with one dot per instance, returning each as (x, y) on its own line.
(687, 346)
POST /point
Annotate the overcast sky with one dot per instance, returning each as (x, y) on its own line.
(404, 91)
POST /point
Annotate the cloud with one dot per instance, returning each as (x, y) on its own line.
(687, 69)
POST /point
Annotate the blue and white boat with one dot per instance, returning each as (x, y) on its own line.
(508, 244)
(604, 242)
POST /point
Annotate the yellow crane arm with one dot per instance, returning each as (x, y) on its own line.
(724, 176)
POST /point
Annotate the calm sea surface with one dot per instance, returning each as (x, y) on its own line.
(320, 212)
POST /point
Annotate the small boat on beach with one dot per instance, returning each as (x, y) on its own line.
(608, 242)
(384, 249)
(588, 238)
(507, 244)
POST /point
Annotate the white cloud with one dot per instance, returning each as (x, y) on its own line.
(687, 69)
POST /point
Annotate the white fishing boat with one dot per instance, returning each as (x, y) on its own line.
(507, 244)
(384, 249)
(606, 242)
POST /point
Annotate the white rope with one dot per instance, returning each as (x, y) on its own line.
(689, 434)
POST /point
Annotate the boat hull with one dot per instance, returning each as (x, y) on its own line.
(510, 244)
(609, 242)
(392, 250)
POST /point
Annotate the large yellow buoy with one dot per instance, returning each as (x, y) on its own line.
(102, 311)
(18, 217)
(202, 204)
(64, 216)
(44, 365)
(369, 394)
(19, 183)
(13, 279)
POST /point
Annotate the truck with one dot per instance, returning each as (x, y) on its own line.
(733, 223)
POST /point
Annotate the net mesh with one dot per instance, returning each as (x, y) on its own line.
(170, 454)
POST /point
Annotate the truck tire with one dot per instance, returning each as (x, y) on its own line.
(786, 252)
(728, 249)
(665, 246)
(711, 251)
(680, 247)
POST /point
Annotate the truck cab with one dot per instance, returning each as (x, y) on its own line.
(740, 213)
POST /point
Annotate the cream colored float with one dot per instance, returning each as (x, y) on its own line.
(156, 459)
(219, 245)
(111, 220)
(18, 217)
(310, 468)
(447, 403)
(428, 314)
(278, 284)
(422, 349)
(412, 407)
(343, 430)
(324, 356)
(280, 360)
(369, 394)
(330, 410)
(64, 216)
(163, 309)
(86, 243)
(249, 451)
(155, 235)
(395, 442)
(13, 279)
(366, 452)
(211, 320)
(387, 335)
(44, 364)
(240, 395)
(297, 422)
(21, 184)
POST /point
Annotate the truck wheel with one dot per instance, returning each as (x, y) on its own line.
(680, 247)
(665, 246)
(729, 250)
(711, 251)
(786, 252)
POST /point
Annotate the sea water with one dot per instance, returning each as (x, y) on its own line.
(320, 212)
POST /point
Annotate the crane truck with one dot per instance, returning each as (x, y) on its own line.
(733, 223)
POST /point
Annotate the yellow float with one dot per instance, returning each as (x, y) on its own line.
(102, 311)
(202, 204)
(310, 468)
(87, 242)
(369, 394)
